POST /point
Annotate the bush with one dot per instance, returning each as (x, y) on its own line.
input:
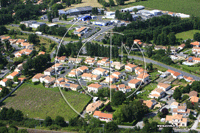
(36, 83)
(54, 127)
(192, 117)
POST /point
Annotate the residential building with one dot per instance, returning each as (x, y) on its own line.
(188, 79)
(130, 67)
(174, 105)
(117, 65)
(181, 110)
(111, 79)
(182, 46)
(5, 38)
(137, 41)
(89, 76)
(48, 80)
(90, 61)
(12, 75)
(103, 116)
(74, 87)
(196, 50)
(62, 59)
(176, 119)
(19, 68)
(41, 53)
(193, 93)
(37, 77)
(103, 61)
(99, 71)
(74, 73)
(118, 75)
(3, 82)
(124, 88)
(75, 60)
(160, 47)
(23, 52)
(83, 69)
(143, 77)
(93, 107)
(194, 99)
(157, 93)
(195, 44)
(150, 103)
(164, 86)
(94, 87)
(12, 41)
(57, 66)
(174, 74)
(49, 71)
(134, 83)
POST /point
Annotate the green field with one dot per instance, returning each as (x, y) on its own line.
(35, 101)
(147, 90)
(180, 6)
(187, 34)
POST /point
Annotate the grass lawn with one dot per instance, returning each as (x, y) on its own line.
(187, 34)
(35, 101)
(180, 6)
(191, 69)
(147, 90)
(69, 25)
(154, 75)
(156, 119)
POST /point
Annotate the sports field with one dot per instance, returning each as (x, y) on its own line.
(35, 101)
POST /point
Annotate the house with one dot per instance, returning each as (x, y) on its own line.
(157, 93)
(74, 87)
(177, 120)
(12, 41)
(23, 52)
(182, 46)
(118, 75)
(143, 77)
(117, 65)
(137, 41)
(5, 38)
(41, 53)
(12, 75)
(99, 71)
(188, 79)
(196, 50)
(181, 110)
(3, 82)
(150, 103)
(124, 88)
(134, 83)
(49, 71)
(141, 71)
(160, 47)
(195, 44)
(114, 87)
(193, 93)
(90, 61)
(174, 74)
(194, 99)
(164, 86)
(62, 80)
(174, 105)
(111, 79)
(19, 68)
(75, 60)
(103, 116)
(130, 67)
(83, 69)
(94, 87)
(48, 80)
(95, 77)
(19, 41)
(58, 66)
(93, 107)
(37, 77)
(1, 89)
(74, 73)
(103, 61)
(89, 76)
(26, 45)
(137, 69)
(61, 59)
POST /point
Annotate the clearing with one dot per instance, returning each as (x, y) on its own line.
(35, 101)
(187, 34)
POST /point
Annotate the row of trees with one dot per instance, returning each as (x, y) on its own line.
(123, 15)
(94, 49)
(11, 114)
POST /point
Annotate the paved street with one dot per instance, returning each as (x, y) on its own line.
(165, 66)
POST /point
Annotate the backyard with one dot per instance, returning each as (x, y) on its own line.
(187, 34)
(35, 101)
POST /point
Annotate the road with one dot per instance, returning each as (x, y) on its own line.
(165, 66)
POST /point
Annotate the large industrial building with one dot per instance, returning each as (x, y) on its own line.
(76, 11)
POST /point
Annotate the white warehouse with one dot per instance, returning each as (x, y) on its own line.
(130, 9)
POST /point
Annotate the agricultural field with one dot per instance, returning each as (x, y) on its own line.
(187, 34)
(35, 101)
(180, 6)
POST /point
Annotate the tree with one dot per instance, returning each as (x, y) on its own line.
(68, 3)
(33, 38)
(135, 10)
(10, 112)
(49, 16)
(110, 127)
(60, 121)
(3, 114)
(48, 121)
(150, 66)
(4, 92)
(154, 126)
(120, 2)
(186, 89)
(177, 94)
(167, 129)
(149, 51)
(64, 17)
(111, 3)
(22, 131)
(11, 32)
(118, 98)
(3, 130)
(165, 111)
(197, 36)
(15, 79)
(172, 38)
(18, 115)
(94, 123)
(145, 120)
(9, 83)
(22, 26)
(192, 117)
